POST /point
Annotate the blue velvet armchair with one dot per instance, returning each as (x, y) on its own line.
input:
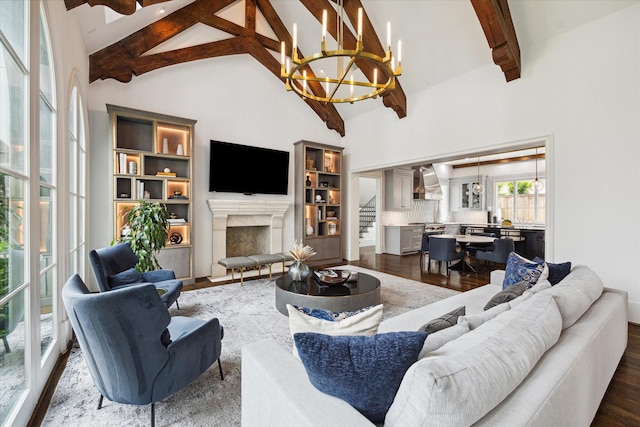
(128, 334)
(114, 268)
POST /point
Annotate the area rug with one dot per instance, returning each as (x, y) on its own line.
(248, 314)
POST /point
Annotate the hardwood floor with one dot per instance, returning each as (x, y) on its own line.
(620, 405)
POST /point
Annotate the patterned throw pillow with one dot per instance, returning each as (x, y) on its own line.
(359, 322)
(520, 269)
(445, 321)
(366, 372)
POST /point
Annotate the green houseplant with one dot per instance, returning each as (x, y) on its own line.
(149, 228)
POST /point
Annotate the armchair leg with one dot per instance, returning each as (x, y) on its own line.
(220, 368)
(177, 305)
(100, 402)
(153, 415)
(6, 344)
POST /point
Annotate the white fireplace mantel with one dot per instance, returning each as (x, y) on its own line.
(244, 213)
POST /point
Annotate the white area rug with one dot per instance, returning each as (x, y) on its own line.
(248, 314)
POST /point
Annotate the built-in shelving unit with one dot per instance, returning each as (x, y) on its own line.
(318, 199)
(152, 160)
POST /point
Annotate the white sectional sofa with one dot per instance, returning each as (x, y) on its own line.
(549, 370)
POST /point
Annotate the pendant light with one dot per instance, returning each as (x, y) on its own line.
(538, 185)
(478, 188)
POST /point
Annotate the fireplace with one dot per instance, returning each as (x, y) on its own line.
(244, 227)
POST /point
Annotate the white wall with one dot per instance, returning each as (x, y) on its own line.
(581, 88)
(233, 99)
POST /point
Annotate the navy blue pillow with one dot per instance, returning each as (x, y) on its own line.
(364, 371)
(126, 277)
(557, 272)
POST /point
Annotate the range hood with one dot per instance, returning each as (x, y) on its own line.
(425, 183)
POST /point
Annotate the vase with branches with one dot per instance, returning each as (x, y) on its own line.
(299, 270)
(149, 229)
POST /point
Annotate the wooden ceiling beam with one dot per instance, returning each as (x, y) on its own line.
(102, 63)
(540, 156)
(124, 7)
(497, 25)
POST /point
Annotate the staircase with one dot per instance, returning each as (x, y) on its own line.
(367, 215)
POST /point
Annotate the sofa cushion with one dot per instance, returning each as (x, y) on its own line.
(360, 322)
(520, 269)
(575, 293)
(126, 277)
(437, 339)
(506, 295)
(445, 321)
(466, 378)
(557, 272)
(477, 319)
(365, 371)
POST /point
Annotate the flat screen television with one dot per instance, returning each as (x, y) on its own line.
(236, 168)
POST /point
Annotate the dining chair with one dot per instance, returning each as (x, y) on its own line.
(498, 253)
(444, 249)
(472, 248)
(424, 247)
(137, 353)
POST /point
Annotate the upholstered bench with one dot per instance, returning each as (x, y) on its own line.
(242, 263)
(237, 262)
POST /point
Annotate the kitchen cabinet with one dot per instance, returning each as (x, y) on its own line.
(398, 189)
(461, 194)
(533, 243)
(402, 239)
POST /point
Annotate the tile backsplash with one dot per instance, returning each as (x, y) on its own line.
(423, 211)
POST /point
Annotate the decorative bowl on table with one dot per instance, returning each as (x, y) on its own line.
(331, 277)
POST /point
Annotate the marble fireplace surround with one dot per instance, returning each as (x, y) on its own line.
(244, 213)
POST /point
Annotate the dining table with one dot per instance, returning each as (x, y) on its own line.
(464, 240)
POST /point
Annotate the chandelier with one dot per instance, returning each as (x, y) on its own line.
(478, 188)
(348, 84)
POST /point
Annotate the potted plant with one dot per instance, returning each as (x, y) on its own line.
(149, 228)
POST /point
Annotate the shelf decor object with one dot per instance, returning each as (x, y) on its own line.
(151, 142)
(318, 200)
(348, 84)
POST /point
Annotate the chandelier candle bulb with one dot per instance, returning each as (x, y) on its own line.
(359, 22)
(399, 53)
(295, 40)
(375, 76)
(324, 25)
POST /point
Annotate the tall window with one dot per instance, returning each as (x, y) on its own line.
(28, 192)
(77, 197)
(518, 201)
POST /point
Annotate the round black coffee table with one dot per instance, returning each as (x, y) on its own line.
(353, 295)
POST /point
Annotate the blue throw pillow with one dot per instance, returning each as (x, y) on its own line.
(126, 277)
(520, 269)
(557, 272)
(331, 316)
(364, 371)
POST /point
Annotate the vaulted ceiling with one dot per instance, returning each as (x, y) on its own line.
(457, 35)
